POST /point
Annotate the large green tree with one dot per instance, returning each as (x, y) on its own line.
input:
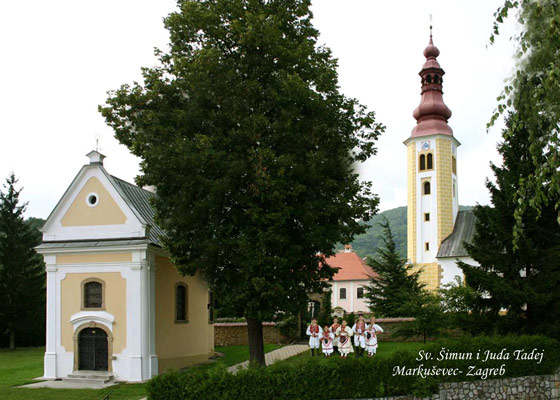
(251, 145)
(522, 279)
(396, 286)
(533, 95)
(22, 276)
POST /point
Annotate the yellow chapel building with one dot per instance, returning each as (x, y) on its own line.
(116, 306)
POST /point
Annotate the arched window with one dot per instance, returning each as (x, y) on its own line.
(422, 162)
(436, 78)
(427, 188)
(181, 302)
(93, 294)
(429, 79)
(430, 161)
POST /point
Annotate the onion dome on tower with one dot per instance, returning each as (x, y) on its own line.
(432, 113)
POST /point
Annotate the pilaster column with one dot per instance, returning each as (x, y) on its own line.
(50, 348)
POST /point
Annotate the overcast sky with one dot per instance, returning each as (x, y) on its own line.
(61, 57)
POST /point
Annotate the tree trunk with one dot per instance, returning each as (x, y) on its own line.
(256, 345)
(12, 340)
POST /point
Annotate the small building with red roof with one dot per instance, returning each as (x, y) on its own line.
(349, 283)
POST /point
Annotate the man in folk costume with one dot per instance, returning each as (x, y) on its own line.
(334, 327)
(359, 330)
(314, 332)
(344, 334)
(327, 339)
(371, 336)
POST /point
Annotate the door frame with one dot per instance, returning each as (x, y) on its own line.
(95, 325)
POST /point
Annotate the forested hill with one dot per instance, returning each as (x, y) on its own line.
(366, 244)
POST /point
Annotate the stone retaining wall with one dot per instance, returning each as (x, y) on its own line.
(235, 334)
(540, 387)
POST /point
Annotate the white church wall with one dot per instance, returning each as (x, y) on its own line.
(451, 269)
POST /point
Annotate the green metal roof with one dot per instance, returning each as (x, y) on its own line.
(463, 231)
(139, 200)
(92, 243)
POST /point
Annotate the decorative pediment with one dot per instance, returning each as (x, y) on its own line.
(93, 208)
(93, 205)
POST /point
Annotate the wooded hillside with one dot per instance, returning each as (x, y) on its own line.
(365, 245)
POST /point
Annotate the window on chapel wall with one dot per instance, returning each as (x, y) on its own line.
(93, 294)
(430, 161)
(181, 303)
(210, 306)
(422, 162)
(342, 293)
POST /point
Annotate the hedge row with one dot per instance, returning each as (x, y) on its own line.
(334, 378)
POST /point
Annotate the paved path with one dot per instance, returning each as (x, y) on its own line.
(275, 355)
(51, 384)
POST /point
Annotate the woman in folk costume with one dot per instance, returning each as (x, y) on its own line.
(371, 336)
(359, 330)
(344, 334)
(314, 332)
(334, 327)
(327, 339)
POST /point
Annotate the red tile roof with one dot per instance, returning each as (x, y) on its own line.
(352, 267)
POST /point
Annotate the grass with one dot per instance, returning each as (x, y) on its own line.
(19, 367)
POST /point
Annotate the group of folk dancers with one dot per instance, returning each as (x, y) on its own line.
(338, 336)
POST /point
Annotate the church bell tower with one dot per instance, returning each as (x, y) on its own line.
(432, 173)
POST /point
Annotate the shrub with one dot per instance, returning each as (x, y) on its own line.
(334, 378)
(350, 319)
(289, 327)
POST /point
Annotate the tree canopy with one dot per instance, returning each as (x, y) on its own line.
(533, 98)
(244, 132)
(522, 279)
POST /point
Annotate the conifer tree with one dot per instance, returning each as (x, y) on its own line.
(21, 268)
(396, 287)
(523, 280)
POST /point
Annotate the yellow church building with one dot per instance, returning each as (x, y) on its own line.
(436, 229)
(116, 306)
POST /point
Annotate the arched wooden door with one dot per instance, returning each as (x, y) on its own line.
(93, 350)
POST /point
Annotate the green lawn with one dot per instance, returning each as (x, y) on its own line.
(20, 366)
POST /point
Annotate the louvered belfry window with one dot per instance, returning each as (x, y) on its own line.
(93, 295)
